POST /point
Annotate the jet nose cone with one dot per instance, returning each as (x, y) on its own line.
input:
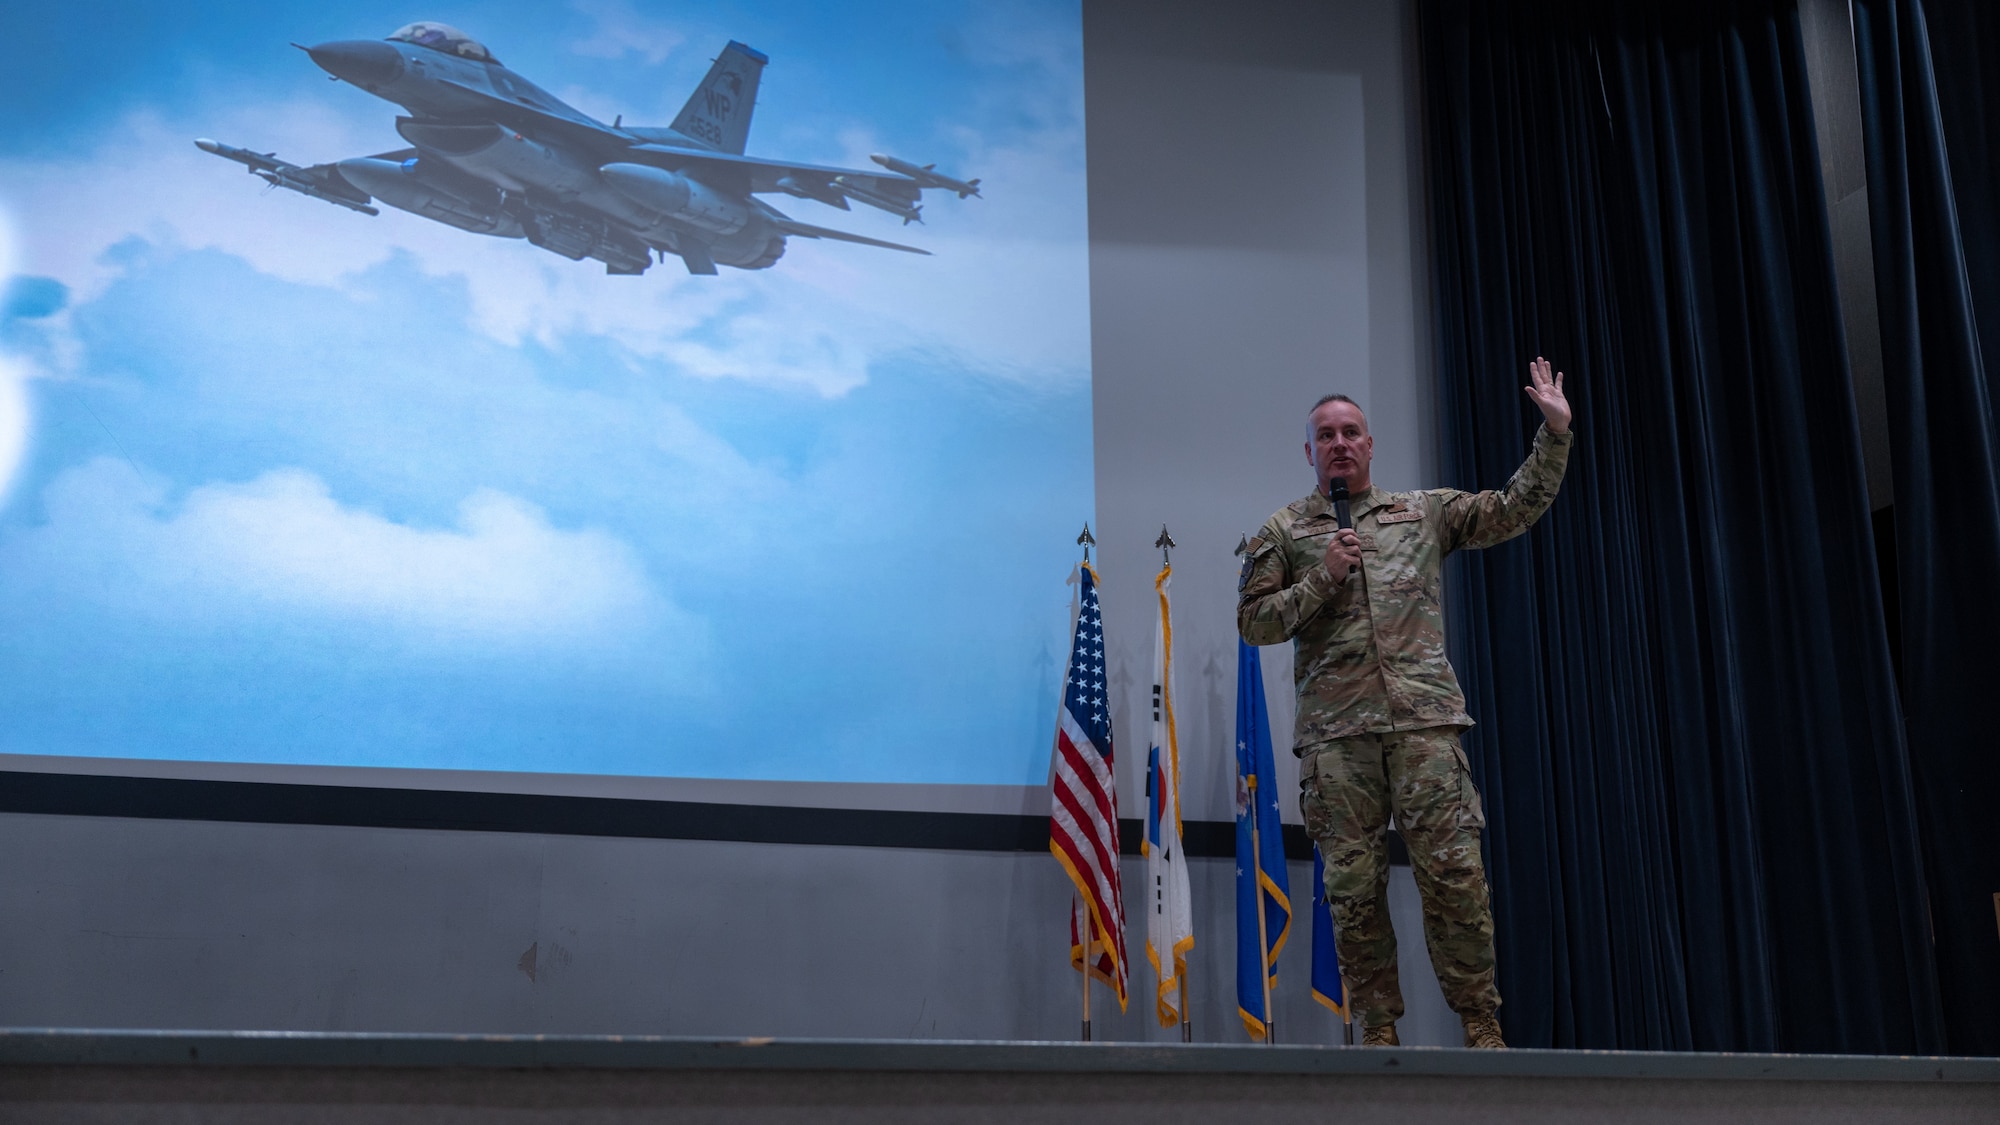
(364, 62)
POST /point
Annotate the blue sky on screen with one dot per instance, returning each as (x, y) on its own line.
(284, 483)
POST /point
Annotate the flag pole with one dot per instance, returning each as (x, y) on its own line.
(1089, 929)
(1166, 545)
(1263, 939)
(1089, 955)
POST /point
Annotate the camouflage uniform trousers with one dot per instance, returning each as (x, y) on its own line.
(1349, 786)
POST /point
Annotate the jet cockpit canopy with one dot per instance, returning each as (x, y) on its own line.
(446, 38)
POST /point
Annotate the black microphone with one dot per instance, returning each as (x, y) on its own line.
(1336, 491)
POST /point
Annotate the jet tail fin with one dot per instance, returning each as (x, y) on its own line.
(719, 112)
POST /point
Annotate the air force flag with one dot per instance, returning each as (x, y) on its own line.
(1263, 894)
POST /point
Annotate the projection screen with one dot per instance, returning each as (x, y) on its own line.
(491, 392)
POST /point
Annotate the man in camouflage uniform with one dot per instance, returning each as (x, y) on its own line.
(1379, 709)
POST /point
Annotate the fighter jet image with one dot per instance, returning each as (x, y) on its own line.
(492, 153)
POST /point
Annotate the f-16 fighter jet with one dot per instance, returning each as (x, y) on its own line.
(493, 153)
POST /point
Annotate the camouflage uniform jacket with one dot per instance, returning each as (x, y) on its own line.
(1369, 653)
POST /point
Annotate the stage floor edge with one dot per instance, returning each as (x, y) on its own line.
(42, 1047)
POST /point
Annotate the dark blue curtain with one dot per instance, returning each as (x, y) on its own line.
(1930, 128)
(1702, 823)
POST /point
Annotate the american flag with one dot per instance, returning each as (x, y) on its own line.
(1083, 824)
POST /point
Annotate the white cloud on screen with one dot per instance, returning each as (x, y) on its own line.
(13, 417)
(13, 380)
(148, 180)
(502, 575)
(622, 30)
(1038, 285)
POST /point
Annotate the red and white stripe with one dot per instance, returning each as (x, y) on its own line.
(1083, 833)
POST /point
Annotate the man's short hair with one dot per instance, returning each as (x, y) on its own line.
(1323, 400)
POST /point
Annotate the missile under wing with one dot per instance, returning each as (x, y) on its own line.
(927, 176)
(320, 181)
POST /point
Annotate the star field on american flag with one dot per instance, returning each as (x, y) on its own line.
(1085, 694)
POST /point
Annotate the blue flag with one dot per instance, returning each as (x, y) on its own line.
(1260, 851)
(1328, 988)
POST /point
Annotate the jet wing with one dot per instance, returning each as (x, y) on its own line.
(763, 175)
(574, 128)
(807, 230)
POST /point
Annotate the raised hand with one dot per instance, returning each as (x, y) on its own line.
(1547, 392)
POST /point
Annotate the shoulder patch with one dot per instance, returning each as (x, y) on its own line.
(1251, 550)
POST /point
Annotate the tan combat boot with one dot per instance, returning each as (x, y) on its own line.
(1382, 1035)
(1483, 1032)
